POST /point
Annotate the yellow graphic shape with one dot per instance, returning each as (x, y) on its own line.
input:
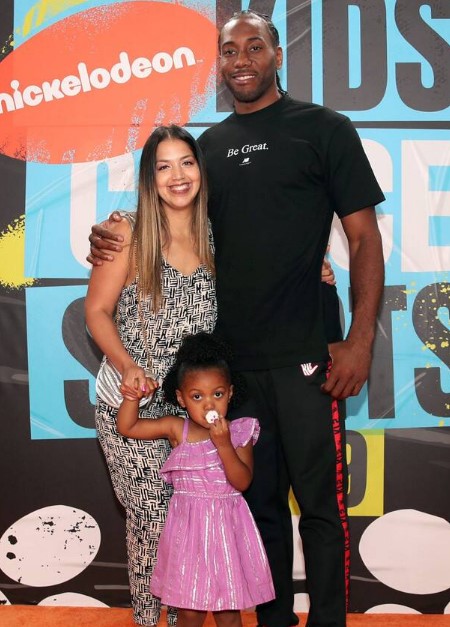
(12, 255)
(372, 503)
(44, 10)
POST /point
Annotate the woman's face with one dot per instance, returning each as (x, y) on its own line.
(177, 175)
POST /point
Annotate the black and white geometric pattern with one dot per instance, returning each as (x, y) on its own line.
(189, 306)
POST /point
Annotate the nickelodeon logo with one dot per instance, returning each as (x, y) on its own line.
(82, 89)
(98, 78)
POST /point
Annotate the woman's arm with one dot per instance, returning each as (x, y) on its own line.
(237, 463)
(105, 285)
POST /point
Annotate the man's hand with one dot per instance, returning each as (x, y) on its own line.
(349, 370)
(103, 239)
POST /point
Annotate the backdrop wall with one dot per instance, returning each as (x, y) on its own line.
(82, 83)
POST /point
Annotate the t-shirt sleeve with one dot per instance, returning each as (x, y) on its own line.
(351, 182)
(243, 430)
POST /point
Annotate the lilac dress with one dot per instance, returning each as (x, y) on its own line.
(210, 554)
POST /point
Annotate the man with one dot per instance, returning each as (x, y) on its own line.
(277, 171)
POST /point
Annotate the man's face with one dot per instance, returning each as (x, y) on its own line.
(249, 61)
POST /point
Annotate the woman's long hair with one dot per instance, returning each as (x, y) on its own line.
(151, 234)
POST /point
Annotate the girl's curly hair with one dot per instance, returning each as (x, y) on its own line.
(199, 352)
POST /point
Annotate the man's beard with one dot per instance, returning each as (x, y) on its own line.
(249, 96)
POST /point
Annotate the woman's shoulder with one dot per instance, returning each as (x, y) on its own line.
(130, 217)
(123, 227)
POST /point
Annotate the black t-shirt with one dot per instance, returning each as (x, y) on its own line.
(275, 179)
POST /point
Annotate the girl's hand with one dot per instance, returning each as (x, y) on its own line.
(135, 384)
(237, 463)
(220, 433)
(151, 386)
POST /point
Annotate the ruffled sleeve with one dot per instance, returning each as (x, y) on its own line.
(243, 430)
(194, 456)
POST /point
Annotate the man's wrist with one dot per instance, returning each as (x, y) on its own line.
(361, 337)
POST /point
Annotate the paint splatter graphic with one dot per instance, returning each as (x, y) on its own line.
(6, 47)
(49, 546)
(12, 256)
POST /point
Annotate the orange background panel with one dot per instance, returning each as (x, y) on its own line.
(117, 118)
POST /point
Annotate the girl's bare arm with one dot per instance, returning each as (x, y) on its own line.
(131, 426)
(237, 463)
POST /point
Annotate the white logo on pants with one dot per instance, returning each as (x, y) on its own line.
(309, 369)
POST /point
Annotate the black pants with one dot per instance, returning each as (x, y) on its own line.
(301, 445)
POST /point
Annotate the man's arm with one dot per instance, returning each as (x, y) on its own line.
(102, 240)
(352, 357)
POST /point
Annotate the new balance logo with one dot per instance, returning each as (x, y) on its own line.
(308, 369)
(245, 161)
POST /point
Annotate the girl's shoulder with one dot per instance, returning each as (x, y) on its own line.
(243, 430)
(173, 426)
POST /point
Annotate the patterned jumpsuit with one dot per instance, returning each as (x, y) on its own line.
(189, 307)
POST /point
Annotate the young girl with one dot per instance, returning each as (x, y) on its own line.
(210, 555)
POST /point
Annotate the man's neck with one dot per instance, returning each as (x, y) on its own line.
(262, 103)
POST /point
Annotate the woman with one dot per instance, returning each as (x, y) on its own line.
(138, 309)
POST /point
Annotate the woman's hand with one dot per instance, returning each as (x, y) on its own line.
(327, 272)
(135, 384)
